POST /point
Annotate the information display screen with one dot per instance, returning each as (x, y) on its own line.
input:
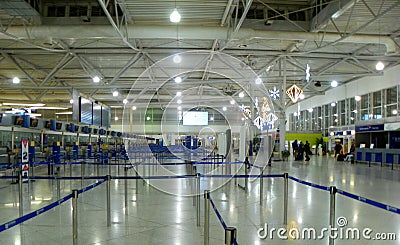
(195, 118)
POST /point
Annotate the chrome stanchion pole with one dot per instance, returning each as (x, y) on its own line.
(21, 201)
(332, 191)
(206, 217)
(230, 235)
(246, 166)
(75, 217)
(198, 198)
(261, 186)
(137, 180)
(285, 197)
(126, 189)
(108, 201)
(58, 188)
(82, 173)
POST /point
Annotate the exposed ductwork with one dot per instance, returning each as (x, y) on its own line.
(189, 32)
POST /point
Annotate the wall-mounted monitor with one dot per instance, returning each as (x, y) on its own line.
(76, 128)
(34, 122)
(68, 127)
(89, 130)
(95, 131)
(58, 126)
(47, 124)
(19, 120)
(195, 118)
(1, 117)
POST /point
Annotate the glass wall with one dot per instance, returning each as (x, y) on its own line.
(375, 105)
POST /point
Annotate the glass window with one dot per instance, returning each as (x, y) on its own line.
(364, 112)
(391, 109)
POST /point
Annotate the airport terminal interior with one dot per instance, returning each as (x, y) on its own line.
(199, 122)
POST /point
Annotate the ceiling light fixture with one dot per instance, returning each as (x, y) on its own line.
(16, 80)
(333, 104)
(178, 79)
(49, 108)
(115, 93)
(179, 101)
(116, 118)
(96, 79)
(24, 104)
(241, 95)
(357, 98)
(258, 80)
(334, 84)
(125, 101)
(379, 66)
(64, 113)
(179, 93)
(232, 102)
(134, 108)
(224, 108)
(179, 108)
(71, 101)
(175, 17)
(177, 59)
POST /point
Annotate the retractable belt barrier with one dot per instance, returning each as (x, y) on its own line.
(33, 214)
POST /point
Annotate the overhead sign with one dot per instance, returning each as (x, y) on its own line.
(24, 160)
(24, 151)
(368, 128)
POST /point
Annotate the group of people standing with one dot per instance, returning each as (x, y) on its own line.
(301, 150)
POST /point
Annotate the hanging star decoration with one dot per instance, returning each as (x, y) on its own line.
(274, 93)
(294, 92)
(271, 118)
(246, 111)
(259, 122)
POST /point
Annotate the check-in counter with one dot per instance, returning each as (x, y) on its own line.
(384, 156)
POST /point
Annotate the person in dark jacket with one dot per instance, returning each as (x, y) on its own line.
(307, 150)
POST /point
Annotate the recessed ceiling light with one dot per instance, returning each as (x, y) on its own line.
(96, 79)
(134, 108)
(258, 80)
(179, 101)
(177, 59)
(211, 118)
(71, 101)
(178, 79)
(179, 93)
(175, 17)
(379, 66)
(16, 80)
(115, 93)
(232, 102)
(241, 95)
(224, 108)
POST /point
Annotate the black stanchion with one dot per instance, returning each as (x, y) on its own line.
(230, 235)
(332, 210)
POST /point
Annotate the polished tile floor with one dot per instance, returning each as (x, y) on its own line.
(162, 211)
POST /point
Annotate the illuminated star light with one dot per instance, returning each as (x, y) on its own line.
(274, 93)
